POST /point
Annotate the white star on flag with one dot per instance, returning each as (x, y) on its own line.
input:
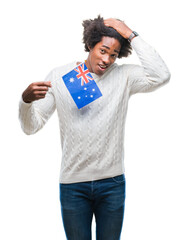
(71, 80)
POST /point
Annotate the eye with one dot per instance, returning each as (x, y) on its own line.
(114, 55)
(102, 51)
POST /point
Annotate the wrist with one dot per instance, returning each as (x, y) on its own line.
(132, 35)
(127, 34)
(24, 99)
(132, 38)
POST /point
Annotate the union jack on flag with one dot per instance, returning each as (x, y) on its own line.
(81, 86)
(83, 74)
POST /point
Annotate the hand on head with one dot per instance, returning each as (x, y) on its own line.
(119, 26)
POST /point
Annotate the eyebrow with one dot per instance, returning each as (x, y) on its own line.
(109, 48)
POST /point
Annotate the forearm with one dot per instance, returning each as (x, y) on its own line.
(41, 105)
(153, 65)
(34, 115)
(30, 118)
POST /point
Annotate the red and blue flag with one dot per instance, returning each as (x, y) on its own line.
(81, 86)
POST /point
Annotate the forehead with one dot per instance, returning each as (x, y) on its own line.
(111, 43)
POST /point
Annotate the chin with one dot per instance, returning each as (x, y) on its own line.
(99, 72)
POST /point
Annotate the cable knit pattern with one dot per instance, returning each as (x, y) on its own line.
(92, 138)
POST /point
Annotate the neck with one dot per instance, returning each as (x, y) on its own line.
(87, 62)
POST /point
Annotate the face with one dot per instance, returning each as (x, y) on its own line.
(103, 55)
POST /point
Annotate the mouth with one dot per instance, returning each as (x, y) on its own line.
(103, 67)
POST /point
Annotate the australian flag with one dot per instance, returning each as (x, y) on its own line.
(81, 86)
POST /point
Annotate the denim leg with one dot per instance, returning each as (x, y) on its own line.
(109, 207)
(76, 208)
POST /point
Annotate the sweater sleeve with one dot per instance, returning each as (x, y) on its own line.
(153, 72)
(33, 116)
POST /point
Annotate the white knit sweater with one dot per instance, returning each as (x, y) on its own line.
(92, 137)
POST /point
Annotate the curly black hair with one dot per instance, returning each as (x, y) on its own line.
(95, 29)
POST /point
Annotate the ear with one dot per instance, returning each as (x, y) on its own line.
(89, 47)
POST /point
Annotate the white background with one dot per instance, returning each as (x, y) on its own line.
(37, 36)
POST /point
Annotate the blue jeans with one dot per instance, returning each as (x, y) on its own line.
(105, 198)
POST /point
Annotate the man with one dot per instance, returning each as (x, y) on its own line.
(92, 179)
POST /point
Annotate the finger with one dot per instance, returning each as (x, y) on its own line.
(39, 97)
(41, 88)
(40, 93)
(47, 84)
(107, 22)
(35, 88)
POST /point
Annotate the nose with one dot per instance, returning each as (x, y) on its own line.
(106, 59)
